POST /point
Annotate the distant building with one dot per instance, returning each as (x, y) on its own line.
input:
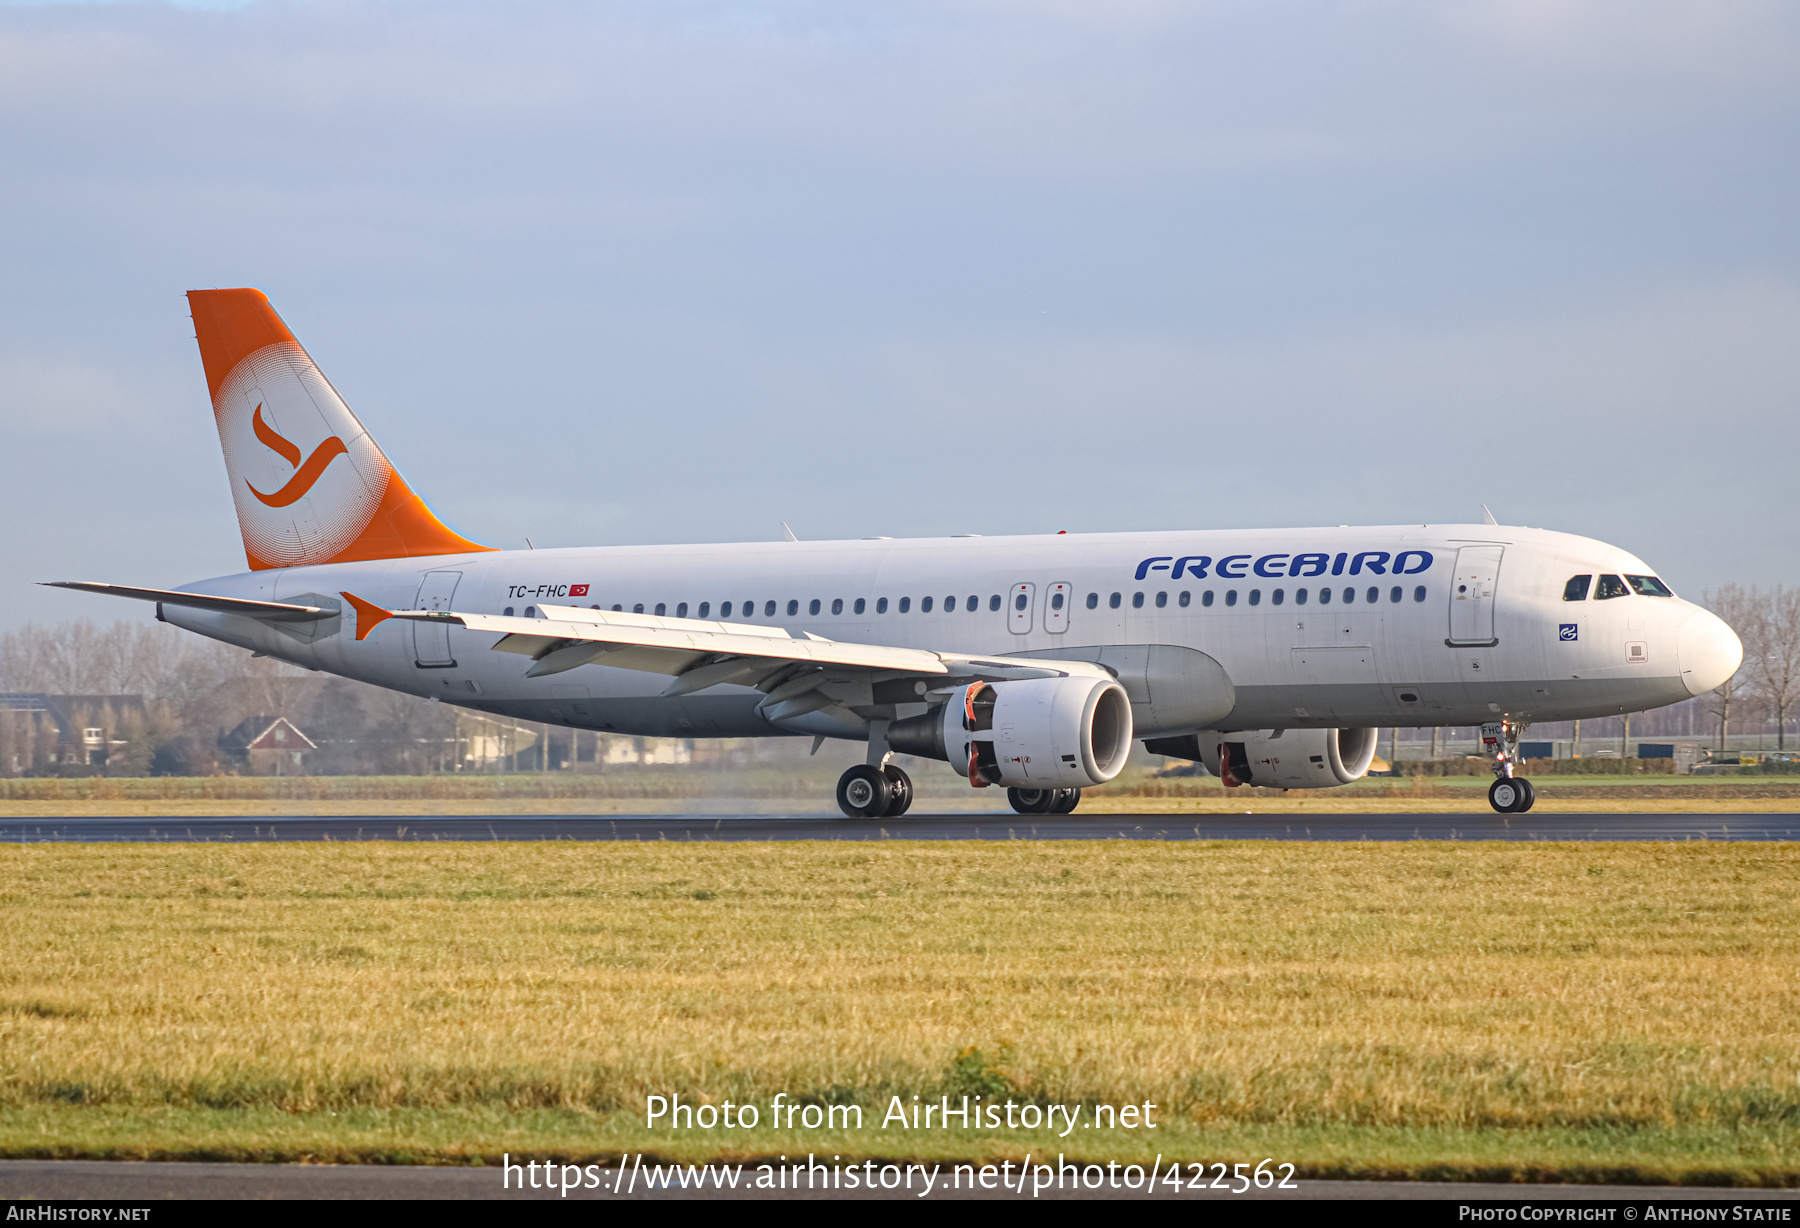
(268, 746)
(53, 733)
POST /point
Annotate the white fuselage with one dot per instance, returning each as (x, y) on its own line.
(1385, 649)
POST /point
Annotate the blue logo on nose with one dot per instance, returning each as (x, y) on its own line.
(1566, 633)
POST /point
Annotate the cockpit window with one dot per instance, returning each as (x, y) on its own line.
(1611, 586)
(1649, 586)
(1577, 588)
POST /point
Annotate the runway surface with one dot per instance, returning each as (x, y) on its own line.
(85, 1180)
(251, 830)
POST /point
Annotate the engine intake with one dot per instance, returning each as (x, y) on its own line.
(1037, 733)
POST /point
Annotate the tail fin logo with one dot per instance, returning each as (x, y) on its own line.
(304, 475)
(273, 406)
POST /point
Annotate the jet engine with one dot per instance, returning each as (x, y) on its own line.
(1279, 758)
(1035, 733)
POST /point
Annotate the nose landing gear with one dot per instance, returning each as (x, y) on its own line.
(1509, 794)
(1514, 796)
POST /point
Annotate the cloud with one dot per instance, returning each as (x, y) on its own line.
(651, 271)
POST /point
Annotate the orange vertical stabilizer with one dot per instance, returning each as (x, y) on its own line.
(309, 483)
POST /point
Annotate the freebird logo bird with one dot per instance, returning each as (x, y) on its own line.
(305, 475)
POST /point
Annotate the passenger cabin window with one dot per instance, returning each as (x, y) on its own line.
(793, 607)
(837, 605)
(1137, 601)
(1349, 596)
(661, 609)
(1162, 599)
(1372, 596)
(925, 606)
(1649, 586)
(1419, 593)
(768, 609)
(681, 610)
(1185, 598)
(1056, 601)
(950, 604)
(1299, 596)
(994, 603)
(1256, 596)
(1206, 598)
(975, 603)
(724, 610)
(1577, 588)
(1394, 594)
(905, 604)
(1019, 602)
(1093, 601)
(1324, 596)
(1610, 587)
(1231, 596)
(706, 608)
(812, 606)
(638, 608)
(507, 611)
(1112, 602)
(1277, 597)
(860, 606)
(881, 605)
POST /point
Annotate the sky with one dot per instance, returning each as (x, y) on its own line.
(598, 273)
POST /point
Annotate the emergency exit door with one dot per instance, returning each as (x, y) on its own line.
(431, 641)
(1018, 607)
(1472, 589)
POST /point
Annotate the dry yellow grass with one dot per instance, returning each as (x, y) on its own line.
(1419, 1007)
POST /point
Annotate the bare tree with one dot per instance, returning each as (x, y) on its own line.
(1772, 654)
(1737, 606)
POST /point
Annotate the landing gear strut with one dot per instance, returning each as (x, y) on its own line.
(1044, 801)
(1509, 794)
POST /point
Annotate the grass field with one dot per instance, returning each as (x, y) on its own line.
(1622, 1012)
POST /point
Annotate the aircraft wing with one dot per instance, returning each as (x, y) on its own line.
(799, 673)
(269, 611)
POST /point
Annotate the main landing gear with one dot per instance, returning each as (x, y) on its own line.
(870, 792)
(1509, 794)
(1044, 801)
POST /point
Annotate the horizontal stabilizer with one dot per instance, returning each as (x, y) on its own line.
(268, 611)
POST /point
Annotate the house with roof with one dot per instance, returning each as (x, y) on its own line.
(268, 746)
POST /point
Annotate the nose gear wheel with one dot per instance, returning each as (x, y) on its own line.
(1512, 795)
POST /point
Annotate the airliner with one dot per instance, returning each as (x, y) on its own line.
(1029, 663)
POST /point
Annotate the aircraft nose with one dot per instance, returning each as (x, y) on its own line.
(1708, 651)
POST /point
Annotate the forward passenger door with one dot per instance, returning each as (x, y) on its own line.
(1472, 591)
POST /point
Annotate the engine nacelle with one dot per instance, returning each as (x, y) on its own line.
(1036, 733)
(1289, 758)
